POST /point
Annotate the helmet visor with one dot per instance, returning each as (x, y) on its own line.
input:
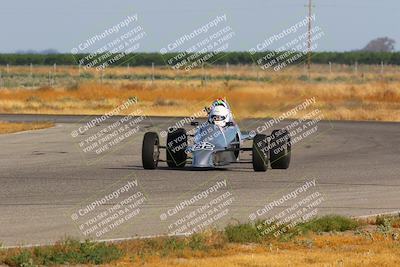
(217, 118)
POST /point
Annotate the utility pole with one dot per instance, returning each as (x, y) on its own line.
(309, 35)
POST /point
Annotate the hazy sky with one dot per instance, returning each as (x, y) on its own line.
(61, 25)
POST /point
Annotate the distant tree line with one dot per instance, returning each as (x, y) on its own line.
(233, 58)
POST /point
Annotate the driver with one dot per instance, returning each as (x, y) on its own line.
(220, 113)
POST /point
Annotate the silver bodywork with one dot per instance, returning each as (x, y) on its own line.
(214, 146)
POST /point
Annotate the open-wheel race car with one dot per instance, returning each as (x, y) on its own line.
(216, 144)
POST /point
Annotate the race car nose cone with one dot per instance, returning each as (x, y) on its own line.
(202, 158)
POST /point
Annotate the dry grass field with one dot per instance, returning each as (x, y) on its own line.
(335, 250)
(343, 94)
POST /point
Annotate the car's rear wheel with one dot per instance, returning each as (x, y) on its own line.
(280, 152)
(150, 150)
(175, 148)
(260, 153)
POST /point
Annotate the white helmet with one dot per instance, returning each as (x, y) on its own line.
(219, 115)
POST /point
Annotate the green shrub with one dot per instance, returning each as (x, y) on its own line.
(329, 223)
(303, 78)
(174, 243)
(197, 242)
(67, 252)
(320, 79)
(23, 259)
(242, 233)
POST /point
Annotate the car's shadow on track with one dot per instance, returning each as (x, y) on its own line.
(164, 168)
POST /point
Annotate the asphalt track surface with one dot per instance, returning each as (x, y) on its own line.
(45, 178)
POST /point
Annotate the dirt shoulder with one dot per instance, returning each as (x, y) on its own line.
(13, 127)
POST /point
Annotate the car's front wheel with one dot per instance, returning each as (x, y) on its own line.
(176, 148)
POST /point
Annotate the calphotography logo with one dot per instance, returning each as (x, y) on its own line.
(114, 209)
(287, 211)
(295, 132)
(295, 43)
(112, 46)
(201, 209)
(98, 136)
(204, 44)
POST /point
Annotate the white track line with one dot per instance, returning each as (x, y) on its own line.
(378, 214)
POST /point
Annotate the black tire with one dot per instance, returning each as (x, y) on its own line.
(260, 153)
(150, 150)
(237, 152)
(280, 151)
(175, 148)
